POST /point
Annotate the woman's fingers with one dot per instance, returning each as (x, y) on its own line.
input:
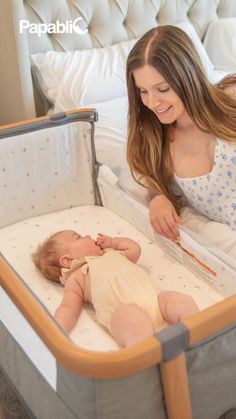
(164, 218)
(166, 226)
(170, 228)
(177, 219)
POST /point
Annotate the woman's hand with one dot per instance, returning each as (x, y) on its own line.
(163, 217)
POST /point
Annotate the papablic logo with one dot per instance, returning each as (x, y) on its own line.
(40, 29)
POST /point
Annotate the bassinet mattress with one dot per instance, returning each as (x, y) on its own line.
(19, 240)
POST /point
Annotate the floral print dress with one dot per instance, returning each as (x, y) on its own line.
(214, 194)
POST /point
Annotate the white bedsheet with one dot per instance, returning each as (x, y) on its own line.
(221, 235)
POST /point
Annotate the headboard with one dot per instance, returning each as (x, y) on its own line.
(107, 22)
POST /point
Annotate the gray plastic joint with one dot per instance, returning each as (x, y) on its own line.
(174, 340)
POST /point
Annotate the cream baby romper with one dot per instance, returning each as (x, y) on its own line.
(116, 280)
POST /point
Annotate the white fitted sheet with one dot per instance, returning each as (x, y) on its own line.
(18, 241)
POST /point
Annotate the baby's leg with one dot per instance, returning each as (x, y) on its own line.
(176, 306)
(130, 324)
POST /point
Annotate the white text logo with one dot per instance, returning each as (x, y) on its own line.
(69, 26)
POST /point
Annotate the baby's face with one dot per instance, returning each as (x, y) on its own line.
(77, 246)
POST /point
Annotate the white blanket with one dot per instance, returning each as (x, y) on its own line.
(221, 235)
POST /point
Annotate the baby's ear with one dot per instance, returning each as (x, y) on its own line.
(65, 261)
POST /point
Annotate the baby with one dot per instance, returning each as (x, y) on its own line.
(104, 273)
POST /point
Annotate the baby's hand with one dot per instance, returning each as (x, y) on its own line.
(104, 241)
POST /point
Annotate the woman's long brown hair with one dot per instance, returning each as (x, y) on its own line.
(171, 52)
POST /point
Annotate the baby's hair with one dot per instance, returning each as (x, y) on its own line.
(46, 258)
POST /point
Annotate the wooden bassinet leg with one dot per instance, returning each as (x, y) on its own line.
(176, 389)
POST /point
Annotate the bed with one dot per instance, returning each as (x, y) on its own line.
(87, 375)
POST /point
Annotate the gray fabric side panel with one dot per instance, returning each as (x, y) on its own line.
(211, 369)
(38, 395)
(78, 392)
(138, 396)
(12, 406)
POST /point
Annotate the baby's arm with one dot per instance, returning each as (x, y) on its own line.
(130, 247)
(68, 311)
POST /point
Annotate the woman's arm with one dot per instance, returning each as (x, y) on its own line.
(163, 217)
(69, 310)
(130, 247)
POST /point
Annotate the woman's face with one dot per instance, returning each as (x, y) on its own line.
(158, 96)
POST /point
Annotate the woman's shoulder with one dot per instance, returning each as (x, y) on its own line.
(225, 143)
(225, 148)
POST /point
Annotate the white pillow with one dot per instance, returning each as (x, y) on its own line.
(110, 143)
(78, 78)
(220, 44)
(111, 132)
(191, 31)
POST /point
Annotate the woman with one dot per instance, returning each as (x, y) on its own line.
(182, 131)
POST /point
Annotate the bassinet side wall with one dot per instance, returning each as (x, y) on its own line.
(31, 386)
(211, 374)
(211, 366)
(49, 165)
(81, 397)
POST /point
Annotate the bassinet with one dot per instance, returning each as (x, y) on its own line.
(185, 371)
